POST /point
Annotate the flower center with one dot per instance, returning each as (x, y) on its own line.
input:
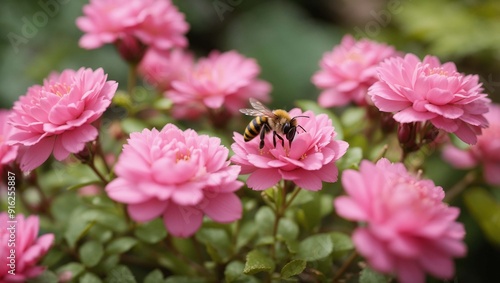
(186, 155)
(438, 71)
(59, 89)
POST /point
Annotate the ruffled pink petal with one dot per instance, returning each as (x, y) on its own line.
(263, 179)
(349, 209)
(74, 141)
(122, 190)
(223, 207)
(148, 210)
(182, 221)
(33, 156)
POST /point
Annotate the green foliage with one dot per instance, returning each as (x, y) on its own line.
(292, 268)
(487, 214)
(257, 261)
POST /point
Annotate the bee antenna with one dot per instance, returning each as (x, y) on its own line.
(302, 127)
(303, 116)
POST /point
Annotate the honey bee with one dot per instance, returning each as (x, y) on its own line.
(279, 121)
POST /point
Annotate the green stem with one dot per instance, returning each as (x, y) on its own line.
(345, 266)
(460, 186)
(132, 79)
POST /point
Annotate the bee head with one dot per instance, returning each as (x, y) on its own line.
(290, 128)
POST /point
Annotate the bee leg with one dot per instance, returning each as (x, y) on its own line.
(274, 139)
(263, 131)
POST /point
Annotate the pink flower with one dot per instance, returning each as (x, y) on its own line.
(20, 234)
(161, 68)
(486, 151)
(226, 79)
(349, 70)
(7, 153)
(308, 162)
(430, 91)
(155, 23)
(57, 116)
(179, 175)
(407, 229)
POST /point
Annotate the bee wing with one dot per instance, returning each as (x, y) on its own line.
(259, 109)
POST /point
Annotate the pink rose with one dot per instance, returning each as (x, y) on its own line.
(57, 117)
(485, 152)
(427, 90)
(349, 70)
(406, 228)
(178, 175)
(309, 161)
(28, 247)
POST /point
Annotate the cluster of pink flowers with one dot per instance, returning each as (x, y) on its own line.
(407, 229)
(7, 153)
(178, 175)
(308, 162)
(349, 70)
(485, 152)
(222, 79)
(427, 90)
(154, 23)
(28, 247)
(58, 115)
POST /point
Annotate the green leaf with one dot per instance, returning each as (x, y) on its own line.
(258, 262)
(184, 279)
(264, 219)
(233, 271)
(246, 233)
(109, 262)
(154, 276)
(369, 276)
(74, 267)
(315, 247)
(353, 118)
(217, 242)
(486, 211)
(89, 277)
(120, 274)
(81, 185)
(106, 218)
(46, 277)
(91, 253)
(351, 159)
(63, 206)
(341, 242)
(130, 125)
(120, 245)
(287, 229)
(292, 268)
(314, 107)
(151, 232)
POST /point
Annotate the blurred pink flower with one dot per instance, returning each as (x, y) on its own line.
(309, 162)
(179, 175)
(223, 79)
(430, 91)
(7, 153)
(155, 23)
(28, 248)
(57, 116)
(407, 229)
(161, 68)
(485, 152)
(349, 70)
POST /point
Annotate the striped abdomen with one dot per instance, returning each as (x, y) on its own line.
(254, 127)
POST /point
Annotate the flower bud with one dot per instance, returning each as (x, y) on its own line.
(131, 49)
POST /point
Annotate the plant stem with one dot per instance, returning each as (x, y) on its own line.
(132, 79)
(345, 266)
(460, 186)
(92, 166)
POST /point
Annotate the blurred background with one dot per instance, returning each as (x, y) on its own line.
(288, 38)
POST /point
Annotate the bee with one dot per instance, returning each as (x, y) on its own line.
(279, 121)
